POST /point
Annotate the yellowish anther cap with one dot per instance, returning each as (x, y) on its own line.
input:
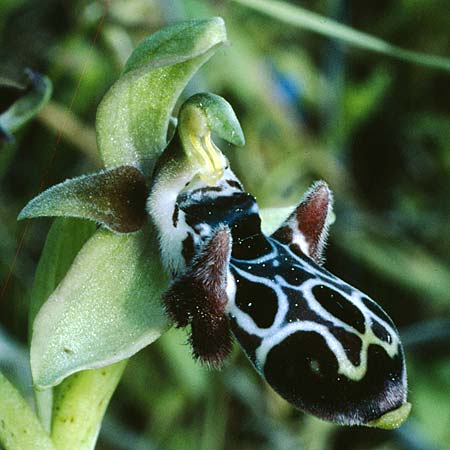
(199, 147)
(392, 419)
(209, 159)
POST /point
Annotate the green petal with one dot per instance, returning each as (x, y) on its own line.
(272, 218)
(24, 109)
(105, 309)
(133, 118)
(115, 197)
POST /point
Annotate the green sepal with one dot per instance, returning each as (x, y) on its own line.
(116, 198)
(105, 309)
(133, 117)
(26, 107)
(218, 115)
(57, 256)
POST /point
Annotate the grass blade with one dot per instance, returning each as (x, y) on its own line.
(302, 18)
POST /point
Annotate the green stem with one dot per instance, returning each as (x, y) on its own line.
(43, 401)
(20, 429)
(79, 405)
(216, 415)
(302, 18)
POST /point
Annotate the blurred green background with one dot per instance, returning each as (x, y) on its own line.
(376, 129)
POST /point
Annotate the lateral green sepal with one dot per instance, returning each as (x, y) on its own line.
(116, 198)
(105, 309)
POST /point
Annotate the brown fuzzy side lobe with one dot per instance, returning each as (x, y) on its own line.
(310, 219)
(312, 215)
(198, 297)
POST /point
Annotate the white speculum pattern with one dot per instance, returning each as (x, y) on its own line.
(282, 328)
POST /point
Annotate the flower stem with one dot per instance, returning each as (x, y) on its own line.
(79, 405)
(20, 429)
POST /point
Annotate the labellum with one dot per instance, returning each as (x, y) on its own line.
(323, 345)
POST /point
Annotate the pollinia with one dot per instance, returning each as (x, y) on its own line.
(323, 345)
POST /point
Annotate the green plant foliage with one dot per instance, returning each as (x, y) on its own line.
(115, 198)
(26, 107)
(301, 17)
(108, 305)
(133, 118)
(19, 427)
(79, 406)
(56, 259)
(272, 218)
(312, 107)
(105, 309)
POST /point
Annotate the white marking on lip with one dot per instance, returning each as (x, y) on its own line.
(346, 367)
(245, 321)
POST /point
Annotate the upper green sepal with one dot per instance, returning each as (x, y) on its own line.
(176, 43)
(116, 198)
(133, 118)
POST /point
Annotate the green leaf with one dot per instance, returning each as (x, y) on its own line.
(302, 18)
(56, 258)
(24, 109)
(106, 308)
(19, 427)
(400, 260)
(115, 197)
(133, 118)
